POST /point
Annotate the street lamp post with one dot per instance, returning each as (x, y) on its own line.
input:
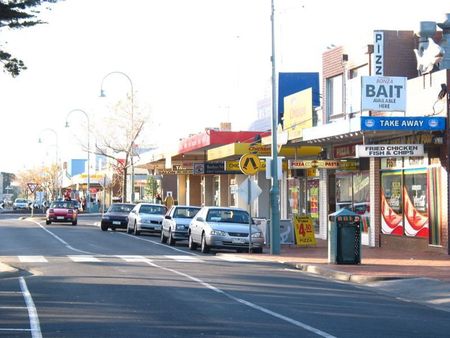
(56, 152)
(102, 94)
(275, 190)
(88, 192)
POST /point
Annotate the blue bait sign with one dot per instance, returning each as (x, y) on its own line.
(430, 123)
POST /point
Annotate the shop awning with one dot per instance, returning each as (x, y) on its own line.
(234, 150)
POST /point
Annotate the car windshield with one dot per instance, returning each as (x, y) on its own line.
(62, 205)
(227, 216)
(182, 212)
(152, 209)
(121, 208)
(21, 201)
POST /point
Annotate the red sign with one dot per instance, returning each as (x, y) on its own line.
(32, 187)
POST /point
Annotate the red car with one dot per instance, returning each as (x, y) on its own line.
(62, 211)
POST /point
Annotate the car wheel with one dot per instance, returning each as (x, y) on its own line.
(205, 247)
(136, 231)
(129, 230)
(257, 250)
(48, 222)
(104, 227)
(192, 245)
(163, 238)
(170, 239)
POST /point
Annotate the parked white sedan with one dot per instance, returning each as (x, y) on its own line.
(146, 217)
(175, 225)
(224, 228)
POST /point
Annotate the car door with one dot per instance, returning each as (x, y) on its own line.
(132, 217)
(195, 226)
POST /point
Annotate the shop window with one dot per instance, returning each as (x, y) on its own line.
(404, 203)
(334, 87)
(352, 193)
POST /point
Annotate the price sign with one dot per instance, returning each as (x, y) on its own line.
(304, 230)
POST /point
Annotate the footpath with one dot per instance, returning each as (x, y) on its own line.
(421, 277)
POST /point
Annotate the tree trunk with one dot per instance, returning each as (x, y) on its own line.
(124, 185)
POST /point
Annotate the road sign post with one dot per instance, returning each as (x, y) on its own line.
(249, 165)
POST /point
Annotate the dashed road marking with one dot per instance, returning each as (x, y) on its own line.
(33, 259)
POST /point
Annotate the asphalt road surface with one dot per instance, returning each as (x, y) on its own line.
(78, 281)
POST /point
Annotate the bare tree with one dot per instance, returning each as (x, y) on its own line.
(117, 139)
(46, 178)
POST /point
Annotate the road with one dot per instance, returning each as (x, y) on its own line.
(79, 281)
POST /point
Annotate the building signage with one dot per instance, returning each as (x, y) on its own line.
(344, 151)
(382, 93)
(322, 164)
(378, 53)
(389, 150)
(402, 123)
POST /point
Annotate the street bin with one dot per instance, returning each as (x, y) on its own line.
(344, 237)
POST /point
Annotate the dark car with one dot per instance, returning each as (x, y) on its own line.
(62, 211)
(116, 217)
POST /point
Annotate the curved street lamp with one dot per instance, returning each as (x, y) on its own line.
(102, 94)
(88, 192)
(56, 150)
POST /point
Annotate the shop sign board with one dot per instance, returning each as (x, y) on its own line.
(419, 123)
(389, 150)
(306, 164)
(383, 93)
(378, 53)
(304, 230)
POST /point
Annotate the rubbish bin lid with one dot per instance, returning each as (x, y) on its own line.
(343, 213)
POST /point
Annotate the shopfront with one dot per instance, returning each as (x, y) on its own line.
(410, 203)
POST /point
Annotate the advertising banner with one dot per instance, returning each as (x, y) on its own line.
(304, 230)
(389, 150)
(382, 93)
(376, 123)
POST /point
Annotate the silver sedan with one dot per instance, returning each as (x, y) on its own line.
(146, 217)
(175, 225)
(224, 228)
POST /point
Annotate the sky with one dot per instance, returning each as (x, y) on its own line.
(192, 64)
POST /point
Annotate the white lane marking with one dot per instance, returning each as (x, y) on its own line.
(249, 304)
(60, 239)
(13, 307)
(32, 312)
(183, 258)
(158, 244)
(32, 259)
(131, 258)
(83, 258)
(231, 258)
(16, 330)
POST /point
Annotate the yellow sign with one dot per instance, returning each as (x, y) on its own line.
(249, 164)
(322, 164)
(304, 230)
(298, 113)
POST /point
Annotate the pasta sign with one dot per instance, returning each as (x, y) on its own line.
(382, 93)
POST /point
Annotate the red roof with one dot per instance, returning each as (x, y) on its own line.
(212, 138)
